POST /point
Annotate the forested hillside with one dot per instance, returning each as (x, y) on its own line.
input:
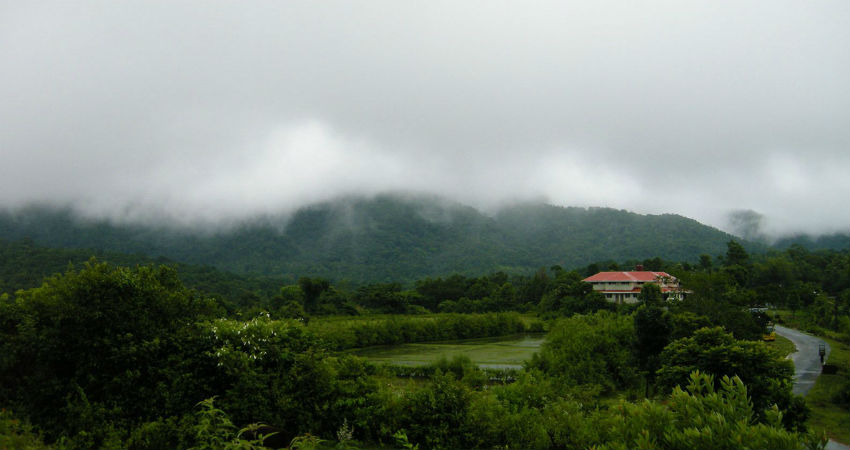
(835, 241)
(388, 238)
(24, 265)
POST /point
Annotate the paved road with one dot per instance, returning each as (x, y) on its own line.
(806, 359)
(807, 366)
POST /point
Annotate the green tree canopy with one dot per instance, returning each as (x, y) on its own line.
(312, 289)
(710, 413)
(652, 331)
(736, 255)
(768, 375)
(594, 349)
(650, 294)
(94, 335)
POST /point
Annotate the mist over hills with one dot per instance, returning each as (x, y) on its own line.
(389, 238)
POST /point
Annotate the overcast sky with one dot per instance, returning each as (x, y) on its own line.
(201, 111)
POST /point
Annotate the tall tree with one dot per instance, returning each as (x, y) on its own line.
(705, 262)
(736, 255)
(652, 334)
(312, 289)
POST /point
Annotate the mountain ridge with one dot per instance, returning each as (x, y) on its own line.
(391, 238)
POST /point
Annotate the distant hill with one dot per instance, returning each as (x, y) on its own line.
(835, 241)
(389, 238)
(24, 265)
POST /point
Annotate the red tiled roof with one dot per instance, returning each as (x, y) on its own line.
(626, 276)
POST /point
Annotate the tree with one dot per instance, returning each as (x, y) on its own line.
(710, 413)
(684, 324)
(723, 302)
(533, 289)
(436, 291)
(768, 375)
(570, 295)
(276, 372)
(654, 264)
(99, 342)
(383, 297)
(593, 349)
(505, 296)
(652, 332)
(650, 294)
(292, 310)
(736, 255)
(705, 262)
(15, 434)
(437, 413)
(739, 274)
(291, 293)
(312, 289)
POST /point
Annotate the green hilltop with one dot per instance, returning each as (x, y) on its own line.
(388, 238)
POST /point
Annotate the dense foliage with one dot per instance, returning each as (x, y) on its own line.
(345, 332)
(113, 357)
(591, 350)
(817, 284)
(84, 337)
(708, 414)
(711, 350)
(94, 353)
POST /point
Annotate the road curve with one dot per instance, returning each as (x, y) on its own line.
(807, 366)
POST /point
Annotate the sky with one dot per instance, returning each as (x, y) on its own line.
(206, 112)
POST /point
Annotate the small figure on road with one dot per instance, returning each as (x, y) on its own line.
(821, 351)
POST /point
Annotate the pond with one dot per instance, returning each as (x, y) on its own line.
(505, 352)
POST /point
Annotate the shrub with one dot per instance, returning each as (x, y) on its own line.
(594, 349)
(705, 415)
(16, 434)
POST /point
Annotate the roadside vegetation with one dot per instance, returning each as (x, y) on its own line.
(829, 399)
(782, 345)
(113, 357)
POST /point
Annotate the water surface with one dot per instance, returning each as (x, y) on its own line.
(505, 352)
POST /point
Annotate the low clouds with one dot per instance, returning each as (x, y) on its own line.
(199, 113)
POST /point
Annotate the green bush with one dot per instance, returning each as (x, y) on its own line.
(708, 414)
(114, 334)
(163, 433)
(437, 414)
(374, 330)
(594, 349)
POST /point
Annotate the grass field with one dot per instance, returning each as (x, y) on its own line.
(782, 345)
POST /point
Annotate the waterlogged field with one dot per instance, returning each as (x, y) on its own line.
(505, 352)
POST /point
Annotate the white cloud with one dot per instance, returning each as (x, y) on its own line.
(205, 112)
